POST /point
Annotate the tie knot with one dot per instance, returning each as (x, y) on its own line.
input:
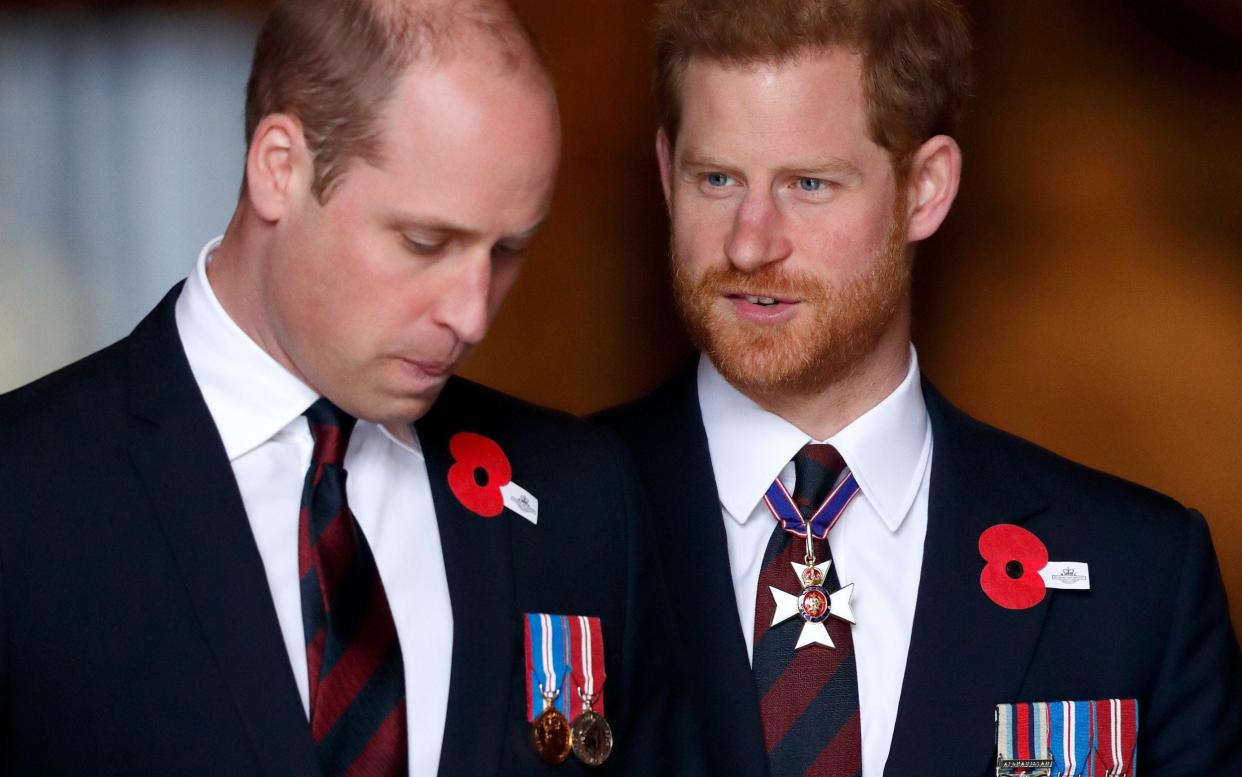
(330, 427)
(816, 470)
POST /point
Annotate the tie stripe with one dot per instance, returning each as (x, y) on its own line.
(373, 760)
(351, 734)
(808, 697)
(354, 665)
(358, 662)
(846, 744)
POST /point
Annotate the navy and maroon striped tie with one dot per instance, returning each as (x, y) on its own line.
(357, 680)
(808, 697)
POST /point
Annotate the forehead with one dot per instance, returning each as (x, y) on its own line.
(468, 140)
(815, 99)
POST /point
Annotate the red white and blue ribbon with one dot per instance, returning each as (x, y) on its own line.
(1068, 738)
(549, 658)
(586, 640)
(783, 507)
(1072, 735)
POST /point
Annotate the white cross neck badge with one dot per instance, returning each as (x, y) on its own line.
(814, 604)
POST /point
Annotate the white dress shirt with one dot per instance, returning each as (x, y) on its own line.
(257, 406)
(877, 544)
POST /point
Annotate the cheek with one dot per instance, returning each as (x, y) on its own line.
(700, 228)
(503, 279)
(354, 296)
(843, 236)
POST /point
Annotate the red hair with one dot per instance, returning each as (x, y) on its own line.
(915, 55)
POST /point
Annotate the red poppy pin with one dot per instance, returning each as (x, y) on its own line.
(482, 478)
(1012, 577)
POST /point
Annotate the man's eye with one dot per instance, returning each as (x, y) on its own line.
(812, 184)
(717, 180)
(423, 248)
(502, 251)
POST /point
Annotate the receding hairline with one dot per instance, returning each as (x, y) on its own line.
(335, 64)
(432, 32)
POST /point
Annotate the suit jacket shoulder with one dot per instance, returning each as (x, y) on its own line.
(1055, 476)
(561, 435)
(73, 399)
(640, 422)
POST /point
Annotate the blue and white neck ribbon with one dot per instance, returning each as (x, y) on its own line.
(786, 511)
(548, 663)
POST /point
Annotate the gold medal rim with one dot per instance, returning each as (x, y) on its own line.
(553, 757)
(585, 720)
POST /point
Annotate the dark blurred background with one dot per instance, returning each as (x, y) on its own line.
(1085, 293)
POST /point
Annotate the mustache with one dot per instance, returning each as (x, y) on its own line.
(770, 280)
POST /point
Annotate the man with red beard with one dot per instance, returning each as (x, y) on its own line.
(889, 556)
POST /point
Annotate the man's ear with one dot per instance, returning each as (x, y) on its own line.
(278, 165)
(664, 153)
(935, 173)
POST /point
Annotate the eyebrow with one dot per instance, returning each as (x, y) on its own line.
(694, 158)
(438, 226)
(823, 166)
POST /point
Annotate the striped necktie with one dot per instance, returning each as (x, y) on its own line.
(808, 697)
(357, 680)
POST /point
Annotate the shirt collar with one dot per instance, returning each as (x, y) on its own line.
(887, 448)
(250, 395)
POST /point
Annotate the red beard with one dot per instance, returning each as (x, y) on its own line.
(836, 327)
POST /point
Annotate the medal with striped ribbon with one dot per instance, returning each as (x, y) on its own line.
(590, 736)
(547, 668)
(813, 603)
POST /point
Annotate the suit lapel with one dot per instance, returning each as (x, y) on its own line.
(479, 568)
(967, 654)
(681, 488)
(181, 460)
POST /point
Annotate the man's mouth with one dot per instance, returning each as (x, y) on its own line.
(765, 301)
(762, 300)
(431, 368)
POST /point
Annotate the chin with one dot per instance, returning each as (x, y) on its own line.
(788, 361)
(400, 412)
(387, 405)
(754, 374)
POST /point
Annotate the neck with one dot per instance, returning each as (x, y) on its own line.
(827, 409)
(235, 275)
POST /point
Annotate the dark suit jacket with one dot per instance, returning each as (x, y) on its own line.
(137, 630)
(1154, 627)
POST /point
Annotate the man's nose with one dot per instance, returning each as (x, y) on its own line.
(758, 236)
(463, 307)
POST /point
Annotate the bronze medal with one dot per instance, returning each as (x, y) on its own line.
(592, 738)
(550, 734)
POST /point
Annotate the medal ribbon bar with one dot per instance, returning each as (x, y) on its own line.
(548, 660)
(586, 638)
(1067, 738)
(782, 506)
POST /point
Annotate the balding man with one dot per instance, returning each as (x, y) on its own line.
(189, 586)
